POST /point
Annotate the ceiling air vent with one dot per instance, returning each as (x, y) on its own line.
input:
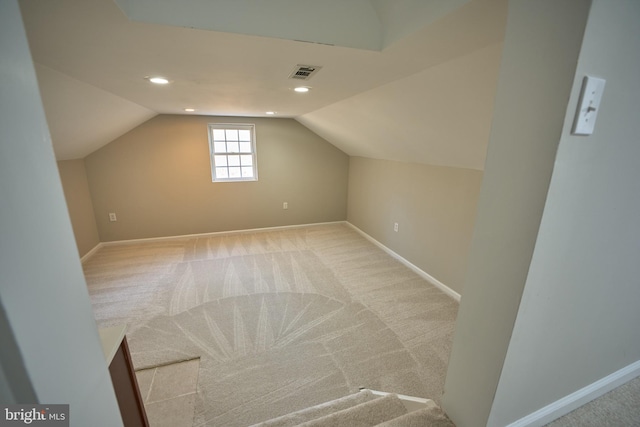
(304, 72)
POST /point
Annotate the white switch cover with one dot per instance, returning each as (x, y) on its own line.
(112, 217)
(592, 89)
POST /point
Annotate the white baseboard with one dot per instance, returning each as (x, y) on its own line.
(429, 278)
(573, 401)
(215, 233)
(89, 254)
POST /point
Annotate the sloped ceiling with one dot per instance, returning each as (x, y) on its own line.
(82, 117)
(92, 60)
(444, 116)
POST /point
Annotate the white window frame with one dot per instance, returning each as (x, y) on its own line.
(221, 167)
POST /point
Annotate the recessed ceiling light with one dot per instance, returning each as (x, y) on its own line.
(302, 89)
(158, 80)
(189, 110)
(271, 113)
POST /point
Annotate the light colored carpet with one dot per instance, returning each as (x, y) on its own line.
(431, 417)
(364, 409)
(281, 320)
(363, 415)
(296, 418)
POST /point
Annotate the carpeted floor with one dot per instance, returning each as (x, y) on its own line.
(281, 320)
(618, 408)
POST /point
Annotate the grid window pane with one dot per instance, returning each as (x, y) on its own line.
(245, 146)
(219, 146)
(233, 147)
(244, 135)
(221, 160)
(222, 173)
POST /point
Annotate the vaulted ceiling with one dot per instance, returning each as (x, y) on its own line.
(407, 80)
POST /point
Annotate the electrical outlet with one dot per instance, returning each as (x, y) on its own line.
(112, 217)
(285, 205)
(395, 227)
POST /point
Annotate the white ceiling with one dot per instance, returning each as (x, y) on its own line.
(92, 60)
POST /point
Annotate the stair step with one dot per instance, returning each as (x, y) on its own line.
(431, 416)
(410, 402)
(318, 411)
(364, 415)
(367, 408)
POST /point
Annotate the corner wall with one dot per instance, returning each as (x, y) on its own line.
(434, 207)
(50, 351)
(579, 315)
(157, 179)
(539, 59)
(76, 192)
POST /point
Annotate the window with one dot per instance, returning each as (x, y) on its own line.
(233, 152)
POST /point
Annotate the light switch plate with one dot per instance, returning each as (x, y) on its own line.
(589, 105)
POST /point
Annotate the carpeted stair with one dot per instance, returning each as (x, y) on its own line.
(365, 409)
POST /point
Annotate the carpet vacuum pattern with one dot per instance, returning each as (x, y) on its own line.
(281, 320)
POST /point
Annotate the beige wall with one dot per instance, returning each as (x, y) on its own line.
(157, 179)
(434, 207)
(50, 349)
(78, 198)
(579, 310)
(541, 49)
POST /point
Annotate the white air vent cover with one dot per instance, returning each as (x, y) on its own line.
(304, 72)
